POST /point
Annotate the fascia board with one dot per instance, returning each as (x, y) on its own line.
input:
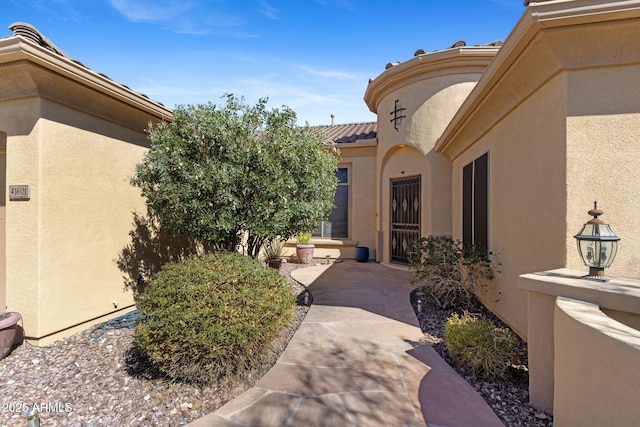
(362, 143)
(537, 17)
(13, 49)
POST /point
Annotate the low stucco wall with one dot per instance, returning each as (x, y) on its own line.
(334, 248)
(597, 380)
(577, 353)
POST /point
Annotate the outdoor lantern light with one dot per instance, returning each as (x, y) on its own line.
(597, 244)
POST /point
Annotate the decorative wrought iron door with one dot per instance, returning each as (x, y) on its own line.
(405, 216)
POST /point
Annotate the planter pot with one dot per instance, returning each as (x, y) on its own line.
(8, 327)
(362, 253)
(304, 253)
(277, 264)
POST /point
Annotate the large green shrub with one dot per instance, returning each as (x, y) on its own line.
(236, 176)
(478, 345)
(212, 316)
(451, 273)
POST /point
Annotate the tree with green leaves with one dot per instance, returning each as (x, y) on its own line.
(237, 176)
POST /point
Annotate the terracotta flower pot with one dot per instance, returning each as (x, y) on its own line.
(304, 253)
(8, 327)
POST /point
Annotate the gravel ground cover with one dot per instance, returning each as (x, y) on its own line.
(509, 400)
(84, 382)
(81, 381)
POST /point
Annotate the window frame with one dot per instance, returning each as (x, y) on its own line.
(318, 233)
(475, 202)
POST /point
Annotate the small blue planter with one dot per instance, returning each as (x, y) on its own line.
(362, 253)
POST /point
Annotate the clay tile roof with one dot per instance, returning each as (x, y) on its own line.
(30, 32)
(350, 132)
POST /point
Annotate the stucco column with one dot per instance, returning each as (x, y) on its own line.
(540, 350)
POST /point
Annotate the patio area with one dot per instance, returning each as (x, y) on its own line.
(357, 360)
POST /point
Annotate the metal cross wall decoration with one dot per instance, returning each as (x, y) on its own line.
(397, 114)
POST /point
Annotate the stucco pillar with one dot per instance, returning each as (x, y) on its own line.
(540, 309)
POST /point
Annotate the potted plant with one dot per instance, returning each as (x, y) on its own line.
(304, 248)
(273, 252)
(8, 326)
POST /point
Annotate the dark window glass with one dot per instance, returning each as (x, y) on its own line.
(339, 217)
(475, 202)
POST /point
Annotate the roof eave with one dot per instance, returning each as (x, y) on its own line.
(16, 48)
(537, 17)
(424, 66)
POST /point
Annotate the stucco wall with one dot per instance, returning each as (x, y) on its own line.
(3, 214)
(63, 243)
(557, 113)
(362, 197)
(408, 151)
(429, 106)
(360, 158)
(586, 351)
(603, 159)
(527, 190)
(402, 162)
(74, 137)
(430, 87)
(19, 121)
(85, 218)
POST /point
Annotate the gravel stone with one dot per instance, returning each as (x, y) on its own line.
(509, 400)
(85, 382)
(80, 381)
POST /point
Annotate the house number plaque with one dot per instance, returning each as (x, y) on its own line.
(19, 192)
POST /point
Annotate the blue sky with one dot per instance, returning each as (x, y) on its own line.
(316, 56)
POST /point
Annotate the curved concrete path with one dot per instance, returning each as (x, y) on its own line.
(356, 360)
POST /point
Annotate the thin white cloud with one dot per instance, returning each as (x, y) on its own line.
(314, 105)
(150, 10)
(342, 4)
(329, 74)
(65, 10)
(182, 16)
(268, 10)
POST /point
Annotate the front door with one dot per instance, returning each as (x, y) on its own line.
(405, 216)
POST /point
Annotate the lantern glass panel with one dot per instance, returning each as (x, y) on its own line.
(597, 245)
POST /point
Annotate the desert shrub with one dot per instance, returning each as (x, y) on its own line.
(212, 316)
(236, 175)
(452, 273)
(479, 346)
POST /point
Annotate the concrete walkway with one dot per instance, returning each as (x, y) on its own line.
(356, 360)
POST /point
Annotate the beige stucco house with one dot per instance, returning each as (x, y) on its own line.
(505, 144)
(508, 145)
(69, 142)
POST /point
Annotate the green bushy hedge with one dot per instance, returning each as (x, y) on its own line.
(212, 316)
(478, 345)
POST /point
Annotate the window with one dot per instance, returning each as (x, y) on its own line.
(475, 202)
(338, 223)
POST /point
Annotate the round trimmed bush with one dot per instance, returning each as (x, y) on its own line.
(481, 347)
(212, 316)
